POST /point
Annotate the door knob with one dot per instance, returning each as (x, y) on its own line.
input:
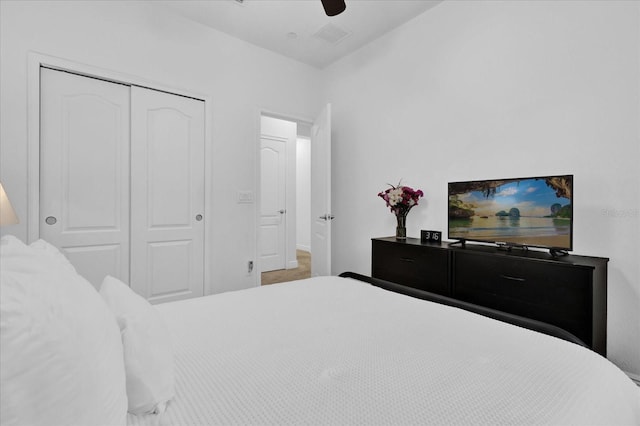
(282, 211)
(199, 217)
(327, 217)
(50, 220)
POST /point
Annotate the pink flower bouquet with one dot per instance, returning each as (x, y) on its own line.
(401, 199)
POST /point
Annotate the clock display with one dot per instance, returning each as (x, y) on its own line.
(430, 236)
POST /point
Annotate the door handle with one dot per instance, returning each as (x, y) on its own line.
(282, 211)
(50, 220)
(327, 217)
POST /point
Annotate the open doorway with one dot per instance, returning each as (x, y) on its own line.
(285, 200)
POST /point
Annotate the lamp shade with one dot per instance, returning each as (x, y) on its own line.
(7, 214)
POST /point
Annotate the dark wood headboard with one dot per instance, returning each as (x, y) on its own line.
(519, 321)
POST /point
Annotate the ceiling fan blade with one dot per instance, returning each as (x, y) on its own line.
(333, 7)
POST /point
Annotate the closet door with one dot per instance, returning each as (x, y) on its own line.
(167, 195)
(84, 172)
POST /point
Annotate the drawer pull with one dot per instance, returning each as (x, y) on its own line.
(407, 259)
(510, 278)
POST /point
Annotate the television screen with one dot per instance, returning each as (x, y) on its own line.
(530, 212)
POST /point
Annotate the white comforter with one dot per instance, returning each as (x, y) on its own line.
(337, 351)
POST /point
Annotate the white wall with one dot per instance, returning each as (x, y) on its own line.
(478, 90)
(303, 194)
(468, 90)
(138, 39)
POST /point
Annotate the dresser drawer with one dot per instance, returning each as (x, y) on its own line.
(421, 267)
(553, 293)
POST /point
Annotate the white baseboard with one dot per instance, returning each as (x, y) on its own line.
(634, 377)
(303, 248)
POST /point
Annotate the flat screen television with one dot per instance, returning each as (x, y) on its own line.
(524, 212)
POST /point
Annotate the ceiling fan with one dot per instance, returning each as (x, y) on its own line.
(333, 7)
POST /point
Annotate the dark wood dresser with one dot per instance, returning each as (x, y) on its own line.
(569, 291)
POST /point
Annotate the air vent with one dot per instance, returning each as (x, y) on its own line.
(331, 34)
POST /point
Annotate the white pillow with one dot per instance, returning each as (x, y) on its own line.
(60, 345)
(52, 251)
(148, 357)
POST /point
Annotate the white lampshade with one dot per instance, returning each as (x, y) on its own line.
(7, 214)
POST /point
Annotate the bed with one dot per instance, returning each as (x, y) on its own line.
(330, 350)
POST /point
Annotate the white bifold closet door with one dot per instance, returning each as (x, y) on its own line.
(167, 195)
(122, 183)
(84, 172)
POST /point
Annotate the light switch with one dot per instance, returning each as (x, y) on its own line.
(245, 197)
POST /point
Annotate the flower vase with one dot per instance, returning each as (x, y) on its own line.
(401, 228)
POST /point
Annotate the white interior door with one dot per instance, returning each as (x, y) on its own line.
(277, 194)
(84, 172)
(273, 160)
(167, 195)
(321, 194)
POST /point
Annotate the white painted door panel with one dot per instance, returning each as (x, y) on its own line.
(273, 160)
(167, 195)
(84, 172)
(321, 194)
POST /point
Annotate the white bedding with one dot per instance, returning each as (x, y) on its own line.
(337, 351)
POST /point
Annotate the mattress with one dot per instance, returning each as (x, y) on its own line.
(331, 350)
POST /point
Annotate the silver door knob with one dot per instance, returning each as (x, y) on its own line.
(199, 217)
(51, 220)
(282, 211)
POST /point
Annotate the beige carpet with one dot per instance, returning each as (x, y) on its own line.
(283, 275)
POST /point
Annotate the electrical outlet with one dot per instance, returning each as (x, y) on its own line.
(250, 266)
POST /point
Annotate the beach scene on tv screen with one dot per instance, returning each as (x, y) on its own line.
(531, 211)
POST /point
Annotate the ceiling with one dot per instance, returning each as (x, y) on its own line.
(299, 29)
